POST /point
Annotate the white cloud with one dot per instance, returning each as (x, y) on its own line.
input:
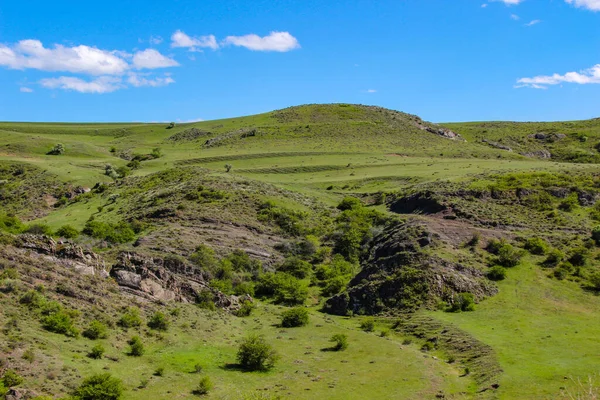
(155, 40)
(515, 17)
(510, 2)
(585, 77)
(534, 22)
(189, 121)
(593, 5)
(371, 91)
(139, 80)
(102, 84)
(484, 5)
(31, 54)
(25, 90)
(275, 41)
(151, 59)
(180, 39)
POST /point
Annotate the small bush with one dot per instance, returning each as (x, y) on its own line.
(462, 302)
(33, 299)
(579, 256)
(159, 322)
(57, 150)
(205, 299)
(39, 229)
(294, 317)
(245, 310)
(340, 342)
(11, 378)
(569, 204)
(596, 234)
(204, 386)
(130, 319)
(198, 368)
(509, 256)
(160, 371)
(554, 258)
(136, 347)
(96, 330)
(284, 288)
(97, 352)
(349, 203)
(255, 354)
(99, 387)
(204, 258)
(67, 232)
(536, 246)
(368, 325)
(60, 322)
(496, 273)
(296, 267)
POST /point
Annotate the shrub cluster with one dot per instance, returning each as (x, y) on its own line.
(121, 232)
(295, 317)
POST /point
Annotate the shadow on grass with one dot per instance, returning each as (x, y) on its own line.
(240, 368)
(334, 348)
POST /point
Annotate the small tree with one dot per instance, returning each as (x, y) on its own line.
(67, 232)
(11, 378)
(255, 354)
(156, 152)
(96, 330)
(96, 352)
(496, 273)
(228, 167)
(130, 319)
(136, 347)
(340, 342)
(159, 322)
(99, 387)
(368, 325)
(57, 150)
(204, 386)
(295, 317)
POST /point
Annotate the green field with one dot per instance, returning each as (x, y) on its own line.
(542, 330)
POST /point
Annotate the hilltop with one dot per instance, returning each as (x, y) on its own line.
(469, 249)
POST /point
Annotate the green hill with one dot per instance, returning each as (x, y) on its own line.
(460, 260)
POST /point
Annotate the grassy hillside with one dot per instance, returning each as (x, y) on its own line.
(473, 245)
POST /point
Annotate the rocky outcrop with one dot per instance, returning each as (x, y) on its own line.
(168, 279)
(543, 154)
(440, 131)
(239, 134)
(496, 145)
(188, 135)
(401, 273)
(65, 253)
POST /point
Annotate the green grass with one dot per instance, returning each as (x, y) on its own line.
(543, 331)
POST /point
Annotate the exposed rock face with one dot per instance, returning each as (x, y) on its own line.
(544, 154)
(401, 274)
(166, 280)
(496, 145)
(188, 135)
(67, 253)
(440, 131)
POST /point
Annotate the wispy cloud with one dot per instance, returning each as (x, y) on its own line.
(532, 23)
(26, 90)
(180, 39)
(593, 5)
(510, 2)
(152, 59)
(371, 91)
(275, 41)
(155, 40)
(584, 77)
(138, 80)
(103, 84)
(515, 17)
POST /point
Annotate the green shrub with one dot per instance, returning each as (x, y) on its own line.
(554, 258)
(296, 267)
(130, 319)
(245, 309)
(243, 288)
(496, 273)
(462, 302)
(11, 224)
(594, 279)
(60, 322)
(204, 258)
(284, 288)
(96, 330)
(39, 229)
(289, 221)
(99, 387)
(96, 352)
(340, 342)
(241, 262)
(57, 150)
(349, 203)
(509, 256)
(368, 325)
(33, 299)
(115, 233)
(159, 321)
(334, 286)
(579, 256)
(198, 368)
(255, 354)
(295, 317)
(494, 245)
(67, 232)
(596, 234)
(536, 246)
(136, 347)
(160, 371)
(204, 386)
(205, 299)
(11, 378)
(569, 204)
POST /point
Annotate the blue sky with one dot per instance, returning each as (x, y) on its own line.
(185, 60)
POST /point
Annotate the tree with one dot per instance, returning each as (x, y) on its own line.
(99, 387)
(136, 347)
(96, 330)
(57, 150)
(67, 232)
(130, 319)
(159, 321)
(340, 342)
(255, 354)
(96, 352)
(295, 317)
